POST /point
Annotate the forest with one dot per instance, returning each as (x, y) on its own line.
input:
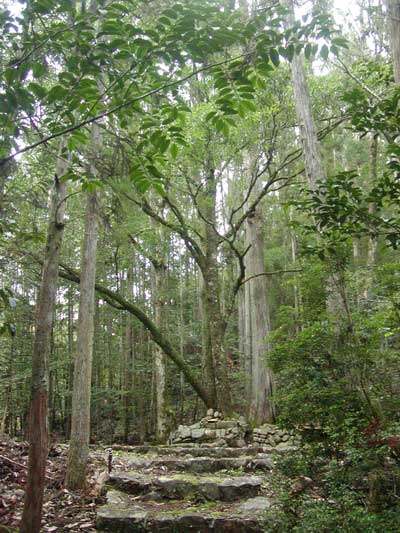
(199, 221)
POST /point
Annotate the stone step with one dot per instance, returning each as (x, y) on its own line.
(185, 486)
(123, 515)
(198, 465)
(194, 451)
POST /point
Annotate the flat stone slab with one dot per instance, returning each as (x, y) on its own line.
(180, 486)
(194, 451)
(255, 505)
(200, 465)
(141, 517)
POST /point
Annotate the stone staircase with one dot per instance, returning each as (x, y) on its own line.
(187, 488)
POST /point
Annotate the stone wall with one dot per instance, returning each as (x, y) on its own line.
(271, 436)
(213, 430)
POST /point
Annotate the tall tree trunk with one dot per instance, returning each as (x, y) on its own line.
(80, 424)
(393, 14)
(32, 513)
(128, 363)
(216, 370)
(6, 417)
(256, 313)
(261, 407)
(80, 418)
(313, 160)
(336, 291)
(70, 341)
(373, 242)
(159, 291)
(181, 343)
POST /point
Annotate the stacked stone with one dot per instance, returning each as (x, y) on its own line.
(213, 430)
(270, 436)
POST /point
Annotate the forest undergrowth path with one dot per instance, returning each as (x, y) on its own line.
(182, 489)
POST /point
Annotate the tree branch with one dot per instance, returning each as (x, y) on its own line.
(117, 300)
(273, 273)
(113, 110)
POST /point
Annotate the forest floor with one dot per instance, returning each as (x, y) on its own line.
(63, 510)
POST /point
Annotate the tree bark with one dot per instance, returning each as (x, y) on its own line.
(38, 435)
(373, 242)
(261, 380)
(215, 366)
(81, 399)
(159, 290)
(393, 14)
(311, 150)
(129, 364)
(80, 424)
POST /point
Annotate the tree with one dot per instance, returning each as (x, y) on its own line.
(80, 420)
(80, 423)
(32, 515)
(393, 14)
(258, 320)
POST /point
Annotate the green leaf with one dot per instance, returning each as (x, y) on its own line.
(324, 52)
(56, 93)
(290, 52)
(250, 105)
(38, 69)
(37, 89)
(274, 57)
(173, 150)
(157, 186)
(341, 42)
(210, 115)
(222, 126)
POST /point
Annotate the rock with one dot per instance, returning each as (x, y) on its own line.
(142, 519)
(284, 446)
(115, 497)
(198, 434)
(260, 464)
(255, 505)
(301, 484)
(209, 490)
(173, 488)
(192, 449)
(210, 412)
(152, 497)
(232, 489)
(226, 424)
(178, 486)
(119, 520)
(130, 482)
(270, 435)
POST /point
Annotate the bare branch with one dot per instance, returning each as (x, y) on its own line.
(273, 273)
